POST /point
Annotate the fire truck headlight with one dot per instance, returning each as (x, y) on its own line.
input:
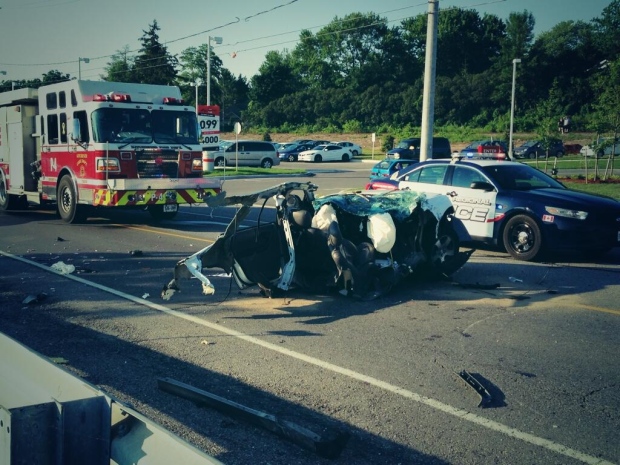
(196, 164)
(111, 165)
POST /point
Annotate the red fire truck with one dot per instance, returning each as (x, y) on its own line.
(84, 144)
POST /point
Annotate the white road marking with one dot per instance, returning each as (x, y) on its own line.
(430, 402)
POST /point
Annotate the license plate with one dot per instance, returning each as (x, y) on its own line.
(170, 207)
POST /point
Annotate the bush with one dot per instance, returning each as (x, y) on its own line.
(352, 126)
(388, 143)
(267, 137)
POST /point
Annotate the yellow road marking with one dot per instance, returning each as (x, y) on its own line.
(194, 238)
(599, 309)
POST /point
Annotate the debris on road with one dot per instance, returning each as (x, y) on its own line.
(63, 268)
(34, 299)
(328, 446)
(485, 397)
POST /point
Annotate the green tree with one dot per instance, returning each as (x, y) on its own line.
(607, 29)
(54, 76)
(153, 64)
(234, 92)
(193, 62)
(465, 41)
(515, 44)
(120, 68)
(275, 79)
(566, 54)
(606, 116)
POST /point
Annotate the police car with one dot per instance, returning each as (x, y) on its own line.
(516, 206)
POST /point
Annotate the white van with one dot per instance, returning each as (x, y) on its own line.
(247, 153)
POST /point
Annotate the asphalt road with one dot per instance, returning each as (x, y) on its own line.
(545, 345)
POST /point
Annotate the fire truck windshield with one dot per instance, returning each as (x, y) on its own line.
(174, 127)
(129, 126)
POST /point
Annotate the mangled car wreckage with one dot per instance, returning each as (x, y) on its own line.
(360, 244)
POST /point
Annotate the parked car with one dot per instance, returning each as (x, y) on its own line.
(387, 167)
(302, 141)
(354, 148)
(607, 148)
(517, 207)
(328, 152)
(344, 243)
(410, 149)
(224, 144)
(483, 147)
(572, 148)
(314, 143)
(247, 153)
(533, 149)
(290, 152)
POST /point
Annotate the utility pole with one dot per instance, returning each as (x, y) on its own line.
(512, 103)
(428, 100)
(218, 40)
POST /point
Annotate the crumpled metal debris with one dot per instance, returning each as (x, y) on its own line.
(324, 244)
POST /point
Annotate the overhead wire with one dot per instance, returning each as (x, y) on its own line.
(247, 18)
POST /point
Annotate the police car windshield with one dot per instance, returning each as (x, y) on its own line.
(520, 177)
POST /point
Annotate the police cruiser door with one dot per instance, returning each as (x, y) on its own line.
(475, 207)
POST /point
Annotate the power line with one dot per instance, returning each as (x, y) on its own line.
(247, 18)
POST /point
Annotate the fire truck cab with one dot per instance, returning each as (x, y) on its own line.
(84, 144)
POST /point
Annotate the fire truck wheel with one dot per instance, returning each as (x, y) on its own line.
(66, 199)
(9, 201)
(158, 214)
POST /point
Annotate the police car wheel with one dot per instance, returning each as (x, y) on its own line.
(522, 238)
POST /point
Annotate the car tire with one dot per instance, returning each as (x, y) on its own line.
(599, 154)
(66, 202)
(266, 163)
(220, 162)
(532, 156)
(291, 158)
(445, 250)
(355, 153)
(522, 238)
(560, 154)
(345, 157)
(318, 158)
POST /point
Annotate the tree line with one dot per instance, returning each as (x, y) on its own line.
(361, 74)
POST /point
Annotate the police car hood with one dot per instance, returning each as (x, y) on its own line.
(573, 199)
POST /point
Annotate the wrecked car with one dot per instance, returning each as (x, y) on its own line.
(360, 244)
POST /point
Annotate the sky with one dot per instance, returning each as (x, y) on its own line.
(41, 35)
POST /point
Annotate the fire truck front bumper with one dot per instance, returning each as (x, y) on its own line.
(128, 193)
